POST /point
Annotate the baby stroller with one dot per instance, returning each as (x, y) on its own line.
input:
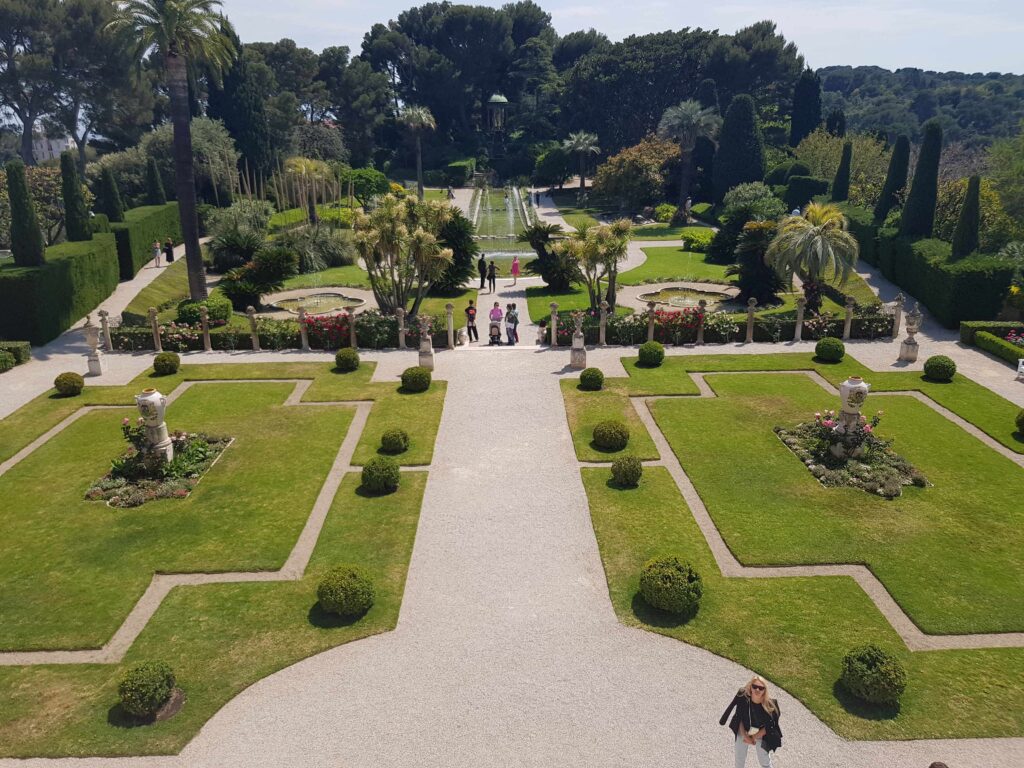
(494, 331)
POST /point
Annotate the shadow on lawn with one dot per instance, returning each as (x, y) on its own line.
(657, 618)
(321, 619)
(862, 709)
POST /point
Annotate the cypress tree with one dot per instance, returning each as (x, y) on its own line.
(76, 213)
(806, 107)
(841, 184)
(968, 226)
(108, 199)
(155, 194)
(740, 156)
(707, 94)
(895, 179)
(27, 244)
(835, 123)
(919, 212)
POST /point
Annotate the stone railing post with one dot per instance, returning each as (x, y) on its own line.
(449, 309)
(108, 344)
(650, 320)
(897, 315)
(353, 340)
(751, 303)
(250, 312)
(602, 331)
(400, 314)
(204, 321)
(154, 325)
(554, 324)
(700, 322)
(848, 321)
(801, 307)
(303, 331)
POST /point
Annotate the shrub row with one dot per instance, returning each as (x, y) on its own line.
(140, 228)
(40, 303)
(999, 347)
(21, 351)
(970, 328)
(460, 173)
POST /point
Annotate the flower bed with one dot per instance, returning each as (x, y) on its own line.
(853, 456)
(136, 477)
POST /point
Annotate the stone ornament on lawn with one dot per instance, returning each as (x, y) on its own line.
(152, 407)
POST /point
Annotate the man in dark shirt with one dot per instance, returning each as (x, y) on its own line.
(482, 266)
(471, 322)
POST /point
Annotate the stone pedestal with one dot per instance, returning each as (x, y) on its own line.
(95, 356)
(602, 334)
(152, 406)
(400, 316)
(848, 319)
(578, 353)
(897, 313)
(751, 304)
(651, 306)
(254, 333)
(703, 305)
(801, 307)
(154, 326)
(303, 331)
(908, 349)
(204, 322)
(108, 345)
(426, 345)
(449, 310)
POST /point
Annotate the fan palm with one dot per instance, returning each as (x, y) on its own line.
(177, 31)
(583, 145)
(417, 120)
(685, 123)
(815, 246)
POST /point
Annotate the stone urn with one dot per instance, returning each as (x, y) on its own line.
(853, 393)
(152, 406)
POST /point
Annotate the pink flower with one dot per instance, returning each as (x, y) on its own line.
(817, 415)
(126, 421)
(867, 428)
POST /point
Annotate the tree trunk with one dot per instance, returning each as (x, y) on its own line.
(26, 153)
(419, 167)
(184, 174)
(583, 173)
(610, 295)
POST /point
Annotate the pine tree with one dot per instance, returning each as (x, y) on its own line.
(707, 94)
(919, 212)
(806, 107)
(841, 184)
(835, 123)
(155, 194)
(108, 198)
(968, 226)
(27, 244)
(895, 179)
(76, 213)
(740, 156)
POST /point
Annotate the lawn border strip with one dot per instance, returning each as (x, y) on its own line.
(114, 650)
(730, 567)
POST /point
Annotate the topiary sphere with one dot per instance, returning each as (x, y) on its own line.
(611, 435)
(830, 349)
(381, 475)
(416, 379)
(939, 368)
(626, 471)
(166, 363)
(652, 354)
(346, 591)
(1020, 421)
(395, 441)
(7, 360)
(591, 379)
(346, 360)
(145, 688)
(69, 384)
(873, 675)
(669, 584)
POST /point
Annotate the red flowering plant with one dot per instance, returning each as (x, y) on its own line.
(676, 326)
(328, 331)
(1015, 338)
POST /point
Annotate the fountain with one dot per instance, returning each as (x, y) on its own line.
(316, 303)
(679, 297)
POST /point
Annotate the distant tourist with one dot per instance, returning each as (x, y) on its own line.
(494, 329)
(451, 193)
(482, 266)
(756, 723)
(471, 322)
(687, 207)
(511, 323)
(492, 278)
(169, 251)
(515, 270)
(157, 251)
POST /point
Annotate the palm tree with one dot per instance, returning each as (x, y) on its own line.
(176, 31)
(417, 120)
(816, 246)
(582, 144)
(685, 123)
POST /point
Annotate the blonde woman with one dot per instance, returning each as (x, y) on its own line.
(756, 722)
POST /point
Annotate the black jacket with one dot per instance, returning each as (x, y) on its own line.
(772, 739)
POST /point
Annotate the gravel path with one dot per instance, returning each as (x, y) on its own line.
(507, 651)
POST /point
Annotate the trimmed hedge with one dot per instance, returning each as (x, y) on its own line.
(145, 688)
(627, 471)
(830, 349)
(939, 368)
(394, 441)
(218, 310)
(592, 379)
(460, 173)
(873, 675)
(6, 361)
(651, 354)
(416, 379)
(69, 384)
(672, 585)
(999, 347)
(970, 328)
(166, 363)
(863, 228)
(381, 475)
(140, 228)
(40, 303)
(801, 189)
(346, 360)
(20, 350)
(346, 591)
(611, 435)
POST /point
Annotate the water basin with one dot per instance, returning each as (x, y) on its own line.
(318, 303)
(681, 298)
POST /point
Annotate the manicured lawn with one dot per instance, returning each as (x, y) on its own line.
(539, 298)
(167, 290)
(795, 631)
(352, 276)
(673, 263)
(435, 305)
(585, 409)
(668, 232)
(574, 216)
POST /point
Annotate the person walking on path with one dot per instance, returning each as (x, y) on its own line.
(169, 251)
(511, 321)
(157, 251)
(515, 328)
(515, 269)
(494, 329)
(482, 266)
(492, 278)
(471, 322)
(756, 723)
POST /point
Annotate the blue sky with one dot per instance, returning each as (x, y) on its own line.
(971, 36)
